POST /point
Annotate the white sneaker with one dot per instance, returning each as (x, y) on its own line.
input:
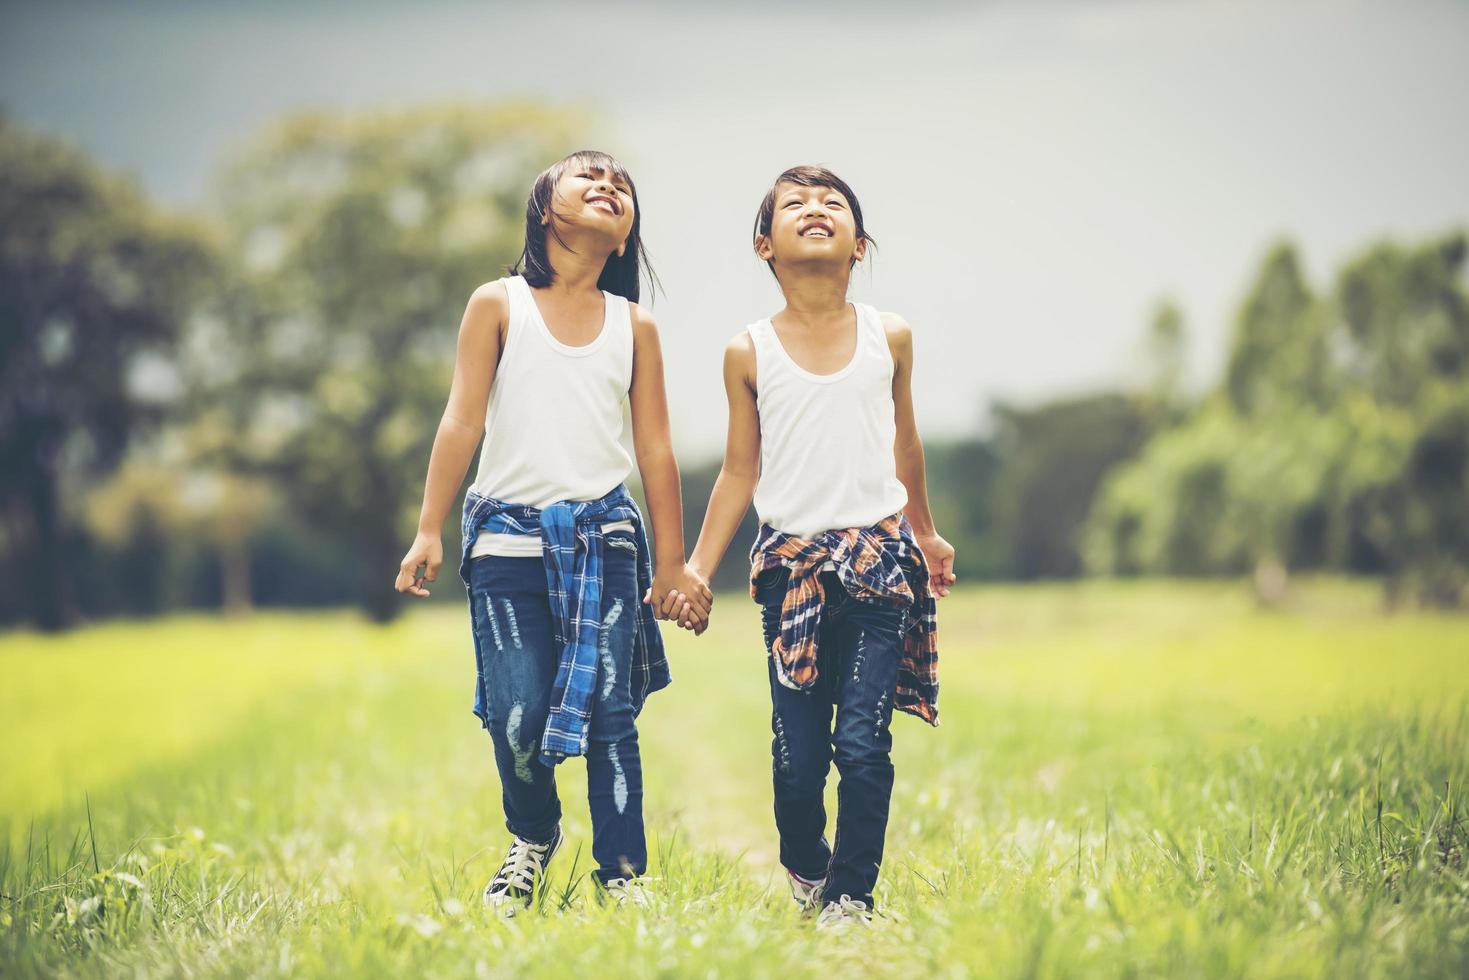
(629, 891)
(805, 891)
(843, 912)
(514, 886)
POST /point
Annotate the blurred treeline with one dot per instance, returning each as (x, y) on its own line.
(236, 407)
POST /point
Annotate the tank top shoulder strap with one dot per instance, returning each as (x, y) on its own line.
(522, 306)
(518, 292)
(619, 343)
(871, 332)
(762, 335)
(762, 338)
(619, 314)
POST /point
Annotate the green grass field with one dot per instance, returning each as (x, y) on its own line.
(1130, 780)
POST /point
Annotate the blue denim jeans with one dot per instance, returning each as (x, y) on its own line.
(860, 647)
(516, 655)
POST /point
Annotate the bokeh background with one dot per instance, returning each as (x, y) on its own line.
(1192, 328)
(1187, 279)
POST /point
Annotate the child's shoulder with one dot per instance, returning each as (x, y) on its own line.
(640, 316)
(491, 297)
(739, 357)
(894, 325)
(899, 334)
(741, 345)
(644, 327)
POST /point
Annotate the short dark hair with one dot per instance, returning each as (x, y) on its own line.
(810, 176)
(622, 273)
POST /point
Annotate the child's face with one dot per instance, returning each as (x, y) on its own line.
(811, 224)
(591, 199)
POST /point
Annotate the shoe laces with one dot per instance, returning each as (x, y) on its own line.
(525, 860)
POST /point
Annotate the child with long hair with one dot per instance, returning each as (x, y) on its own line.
(562, 592)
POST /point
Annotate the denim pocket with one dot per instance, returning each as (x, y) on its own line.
(621, 541)
(770, 592)
(771, 584)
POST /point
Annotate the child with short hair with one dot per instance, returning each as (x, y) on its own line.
(847, 561)
(555, 556)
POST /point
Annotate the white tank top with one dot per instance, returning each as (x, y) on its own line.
(553, 428)
(826, 440)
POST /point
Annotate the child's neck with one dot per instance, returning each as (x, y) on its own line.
(576, 272)
(814, 300)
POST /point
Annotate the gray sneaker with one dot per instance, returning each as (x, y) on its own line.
(514, 886)
(805, 891)
(843, 912)
(629, 892)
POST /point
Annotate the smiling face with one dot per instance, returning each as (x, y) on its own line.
(810, 216)
(585, 203)
(590, 196)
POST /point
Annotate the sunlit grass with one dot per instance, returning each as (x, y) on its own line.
(1129, 779)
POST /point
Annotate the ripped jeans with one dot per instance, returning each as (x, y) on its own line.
(516, 655)
(861, 645)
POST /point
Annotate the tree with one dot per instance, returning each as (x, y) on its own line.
(153, 502)
(1280, 351)
(1406, 317)
(95, 284)
(1158, 377)
(357, 240)
(1053, 458)
(1339, 437)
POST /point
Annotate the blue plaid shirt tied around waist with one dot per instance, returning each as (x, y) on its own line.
(572, 550)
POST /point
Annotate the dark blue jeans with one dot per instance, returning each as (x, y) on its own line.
(516, 655)
(860, 647)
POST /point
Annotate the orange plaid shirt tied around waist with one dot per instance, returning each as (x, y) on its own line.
(882, 564)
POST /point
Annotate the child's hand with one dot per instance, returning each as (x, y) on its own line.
(939, 555)
(684, 597)
(427, 553)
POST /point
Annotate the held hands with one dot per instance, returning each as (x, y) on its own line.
(420, 565)
(939, 555)
(685, 598)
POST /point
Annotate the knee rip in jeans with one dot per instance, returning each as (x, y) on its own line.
(512, 735)
(609, 665)
(619, 779)
(494, 623)
(882, 704)
(510, 621)
(624, 544)
(783, 758)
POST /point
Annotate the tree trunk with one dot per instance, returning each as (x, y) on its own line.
(48, 579)
(378, 599)
(234, 576)
(1271, 579)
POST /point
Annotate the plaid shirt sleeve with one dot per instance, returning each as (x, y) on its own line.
(881, 563)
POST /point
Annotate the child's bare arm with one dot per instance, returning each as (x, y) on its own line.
(908, 453)
(735, 485)
(677, 592)
(459, 432)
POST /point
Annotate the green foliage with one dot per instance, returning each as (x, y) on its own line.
(1130, 778)
(1279, 350)
(94, 287)
(962, 477)
(357, 241)
(1052, 459)
(1338, 439)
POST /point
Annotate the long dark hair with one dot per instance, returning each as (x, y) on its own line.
(623, 273)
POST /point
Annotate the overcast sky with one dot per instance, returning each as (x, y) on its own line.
(1037, 174)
